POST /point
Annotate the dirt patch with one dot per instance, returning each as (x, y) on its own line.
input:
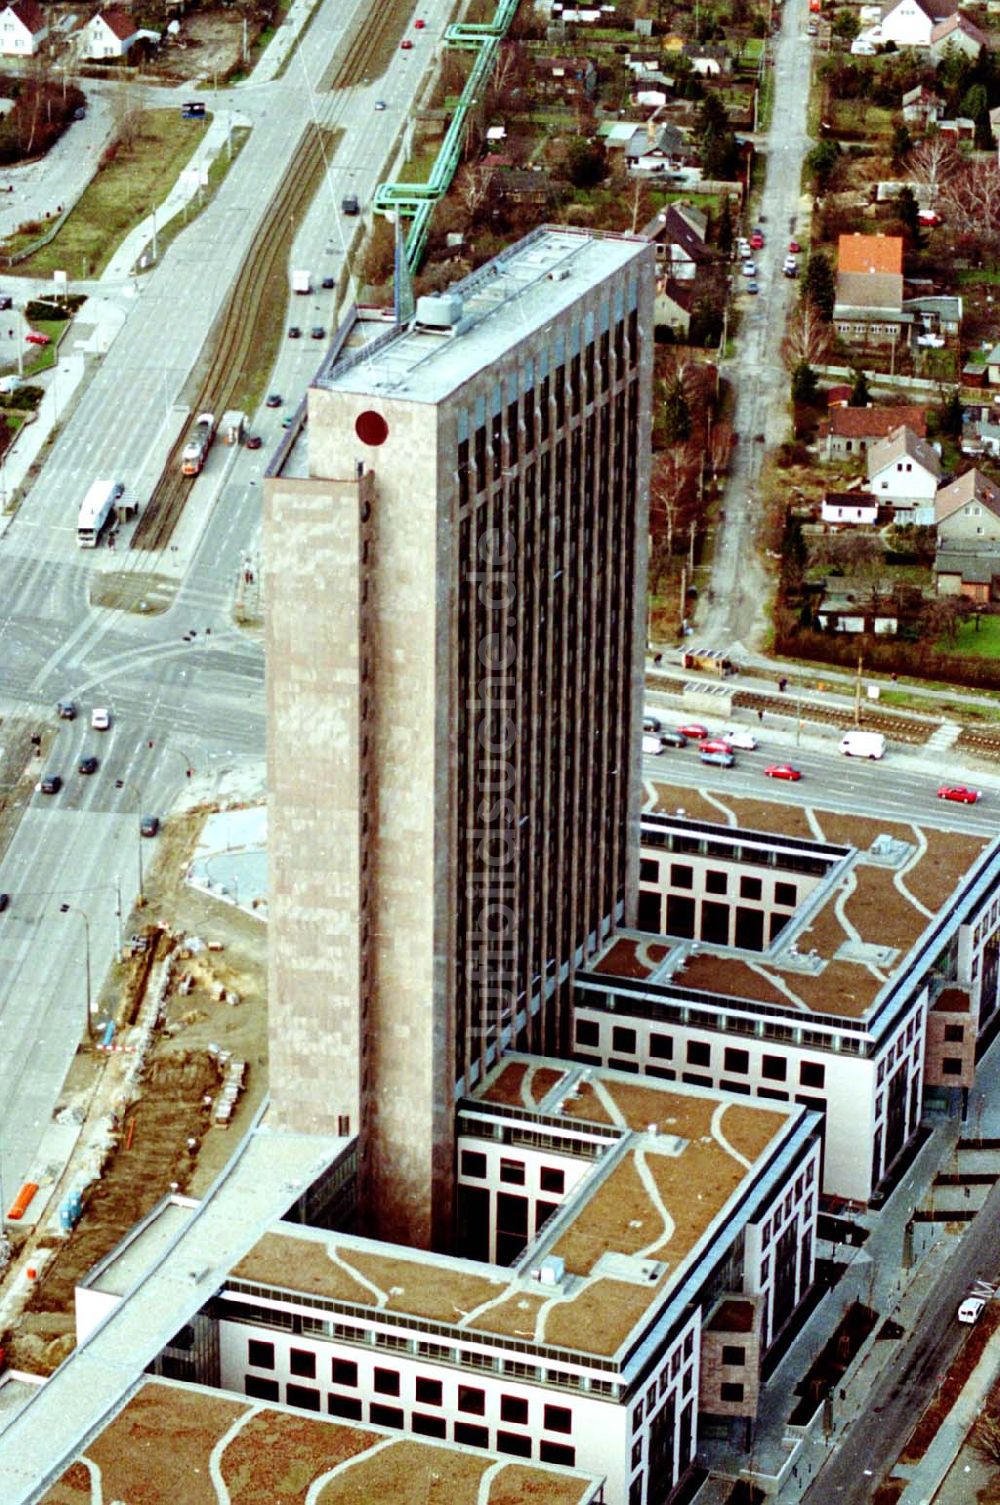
(23, 763)
(122, 590)
(210, 45)
(767, 815)
(948, 858)
(880, 913)
(672, 798)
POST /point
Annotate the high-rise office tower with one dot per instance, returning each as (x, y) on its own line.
(455, 641)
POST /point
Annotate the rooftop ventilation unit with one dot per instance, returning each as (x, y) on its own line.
(551, 1271)
(439, 311)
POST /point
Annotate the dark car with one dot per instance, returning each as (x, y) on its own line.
(149, 825)
(329, 282)
(274, 400)
(6, 301)
(295, 332)
(318, 332)
(67, 710)
(4, 901)
(87, 765)
(51, 783)
(673, 739)
(254, 441)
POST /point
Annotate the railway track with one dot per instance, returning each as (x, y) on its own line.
(232, 338)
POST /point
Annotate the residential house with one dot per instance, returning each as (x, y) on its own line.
(672, 306)
(566, 78)
(846, 606)
(910, 23)
(850, 508)
(658, 148)
(678, 233)
(956, 33)
(993, 367)
(850, 431)
(22, 29)
(922, 106)
(904, 471)
(961, 128)
(935, 313)
(973, 571)
(708, 59)
(869, 302)
(967, 509)
(109, 34)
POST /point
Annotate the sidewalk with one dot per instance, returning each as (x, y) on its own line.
(927, 1476)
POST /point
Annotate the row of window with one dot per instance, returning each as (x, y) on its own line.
(717, 882)
(624, 1041)
(674, 839)
(475, 1166)
(423, 1424)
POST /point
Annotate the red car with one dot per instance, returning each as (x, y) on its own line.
(420, 25)
(693, 729)
(407, 45)
(959, 793)
(757, 241)
(714, 744)
(35, 337)
(782, 771)
(794, 247)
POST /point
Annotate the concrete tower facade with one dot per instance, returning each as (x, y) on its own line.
(455, 647)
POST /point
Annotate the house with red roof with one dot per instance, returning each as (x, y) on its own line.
(110, 34)
(22, 29)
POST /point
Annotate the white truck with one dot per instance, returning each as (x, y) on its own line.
(95, 509)
(195, 450)
(301, 281)
(233, 426)
(863, 745)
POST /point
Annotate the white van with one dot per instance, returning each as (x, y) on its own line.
(651, 745)
(738, 736)
(863, 745)
(971, 1309)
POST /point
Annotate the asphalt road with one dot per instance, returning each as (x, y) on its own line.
(757, 373)
(185, 686)
(870, 1447)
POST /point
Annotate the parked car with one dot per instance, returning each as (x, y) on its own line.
(959, 793)
(794, 247)
(149, 825)
(749, 268)
(87, 765)
(420, 25)
(254, 441)
(931, 341)
(783, 771)
(329, 282)
(757, 240)
(294, 332)
(739, 736)
(753, 288)
(971, 1309)
(66, 710)
(380, 104)
(100, 718)
(36, 337)
(694, 730)
(51, 783)
(406, 45)
(274, 400)
(318, 332)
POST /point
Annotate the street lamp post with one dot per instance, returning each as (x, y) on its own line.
(72, 909)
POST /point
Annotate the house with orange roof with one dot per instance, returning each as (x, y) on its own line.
(869, 301)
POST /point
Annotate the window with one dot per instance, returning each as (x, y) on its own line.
(473, 1163)
(952, 1066)
(429, 1392)
(472, 1436)
(623, 1039)
(558, 1419)
(716, 882)
(261, 1388)
(514, 1442)
(344, 1405)
(528, 409)
(812, 1074)
(699, 1053)
(560, 388)
(557, 1452)
(513, 1408)
(649, 870)
(260, 1354)
(551, 1179)
(344, 1372)
(661, 1046)
(688, 1345)
(775, 1068)
(786, 895)
(429, 1426)
(954, 1033)
(751, 888)
(479, 456)
(544, 405)
(730, 1391)
(681, 876)
(736, 1059)
(302, 1362)
(637, 1452)
(732, 1354)
(512, 1171)
(472, 1399)
(385, 1416)
(386, 1382)
(303, 1396)
(588, 1032)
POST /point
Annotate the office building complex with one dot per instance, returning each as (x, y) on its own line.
(456, 623)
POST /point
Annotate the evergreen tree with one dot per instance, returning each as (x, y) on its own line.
(860, 395)
(951, 414)
(676, 413)
(819, 286)
(804, 385)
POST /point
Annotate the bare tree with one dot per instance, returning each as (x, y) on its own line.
(933, 161)
(971, 198)
(986, 1437)
(807, 341)
(672, 492)
(126, 114)
(473, 185)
